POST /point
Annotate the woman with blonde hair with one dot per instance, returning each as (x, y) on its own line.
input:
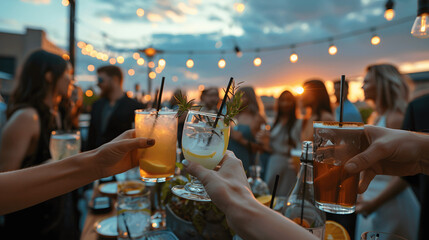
(248, 123)
(388, 205)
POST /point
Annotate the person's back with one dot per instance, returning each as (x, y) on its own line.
(350, 112)
(114, 112)
(417, 119)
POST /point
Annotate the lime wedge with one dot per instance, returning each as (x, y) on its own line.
(197, 155)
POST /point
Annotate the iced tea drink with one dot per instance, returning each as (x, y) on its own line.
(157, 163)
(335, 190)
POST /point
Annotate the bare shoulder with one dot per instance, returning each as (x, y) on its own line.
(394, 119)
(26, 118)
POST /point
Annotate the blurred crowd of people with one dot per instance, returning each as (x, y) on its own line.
(46, 99)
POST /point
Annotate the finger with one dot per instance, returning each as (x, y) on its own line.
(365, 159)
(125, 135)
(365, 179)
(127, 145)
(197, 171)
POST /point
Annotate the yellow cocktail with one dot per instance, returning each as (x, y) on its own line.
(157, 163)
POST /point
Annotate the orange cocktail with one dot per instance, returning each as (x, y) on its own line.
(157, 163)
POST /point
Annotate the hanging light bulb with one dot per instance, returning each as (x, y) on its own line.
(140, 12)
(120, 59)
(222, 63)
(332, 49)
(238, 51)
(190, 63)
(389, 14)
(136, 55)
(112, 61)
(239, 7)
(151, 64)
(375, 40)
(140, 61)
(257, 61)
(161, 62)
(420, 27)
(293, 57)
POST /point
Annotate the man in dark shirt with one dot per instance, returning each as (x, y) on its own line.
(417, 119)
(113, 113)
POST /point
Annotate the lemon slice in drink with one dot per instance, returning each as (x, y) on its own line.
(189, 153)
(153, 167)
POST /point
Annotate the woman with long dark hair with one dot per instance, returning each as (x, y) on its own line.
(32, 115)
(284, 136)
(315, 99)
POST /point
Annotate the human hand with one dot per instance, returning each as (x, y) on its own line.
(120, 154)
(391, 152)
(365, 207)
(228, 184)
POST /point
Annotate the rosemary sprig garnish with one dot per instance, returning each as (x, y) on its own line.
(233, 104)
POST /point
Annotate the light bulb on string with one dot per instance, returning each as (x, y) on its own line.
(238, 51)
(136, 55)
(140, 12)
(332, 49)
(239, 7)
(151, 64)
(190, 63)
(293, 57)
(420, 27)
(221, 63)
(112, 61)
(140, 61)
(120, 59)
(257, 61)
(375, 40)
(161, 62)
(389, 14)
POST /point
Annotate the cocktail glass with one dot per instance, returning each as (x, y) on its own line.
(157, 163)
(64, 143)
(203, 143)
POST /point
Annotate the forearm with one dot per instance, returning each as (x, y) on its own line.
(27, 187)
(395, 187)
(252, 220)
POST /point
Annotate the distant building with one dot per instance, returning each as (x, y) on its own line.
(14, 48)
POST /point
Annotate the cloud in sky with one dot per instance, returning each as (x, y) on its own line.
(37, 1)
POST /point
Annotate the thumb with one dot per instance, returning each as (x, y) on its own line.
(128, 145)
(365, 159)
(197, 170)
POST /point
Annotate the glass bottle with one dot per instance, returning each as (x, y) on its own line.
(257, 185)
(300, 206)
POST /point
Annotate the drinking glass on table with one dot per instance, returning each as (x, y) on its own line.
(335, 190)
(203, 143)
(64, 143)
(133, 209)
(157, 163)
(380, 236)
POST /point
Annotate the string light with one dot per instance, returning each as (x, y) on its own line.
(131, 72)
(140, 61)
(158, 70)
(151, 64)
(239, 7)
(332, 49)
(375, 40)
(89, 48)
(80, 44)
(89, 93)
(120, 59)
(257, 61)
(65, 3)
(136, 55)
(152, 75)
(389, 14)
(105, 57)
(161, 62)
(140, 12)
(91, 68)
(112, 61)
(190, 63)
(100, 55)
(222, 63)
(420, 27)
(293, 57)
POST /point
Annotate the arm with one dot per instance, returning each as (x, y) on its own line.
(19, 137)
(395, 187)
(229, 190)
(26, 187)
(391, 152)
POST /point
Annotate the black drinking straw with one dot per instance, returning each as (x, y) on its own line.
(274, 191)
(221, 107)
(126, 227)
(158, 107)
(305, 184)
(343, 79)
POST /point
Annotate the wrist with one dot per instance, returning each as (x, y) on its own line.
(89, 166)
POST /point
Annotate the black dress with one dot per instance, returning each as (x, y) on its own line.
(52, 219)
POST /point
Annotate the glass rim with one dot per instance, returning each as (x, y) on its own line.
(335, 124)
(57, 132)
(384, 233)
(208, 114)
(149, 112)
